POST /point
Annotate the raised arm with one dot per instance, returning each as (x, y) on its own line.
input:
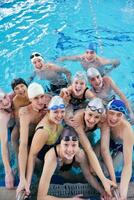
(39, 140)
(105, 151)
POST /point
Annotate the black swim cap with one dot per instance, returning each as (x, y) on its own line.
(18, 81)
(69, 132)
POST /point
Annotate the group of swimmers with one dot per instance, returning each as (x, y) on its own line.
(49, 124)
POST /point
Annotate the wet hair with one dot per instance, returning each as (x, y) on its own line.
(18, 81)
(69, 132)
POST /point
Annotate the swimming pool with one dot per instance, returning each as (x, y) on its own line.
(63, 27)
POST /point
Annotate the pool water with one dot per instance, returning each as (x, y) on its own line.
(62, 27)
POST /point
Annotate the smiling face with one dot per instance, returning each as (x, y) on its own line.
(38, 102)
(5, 102)
(96, 82)
(56, 116)
(21, 90)
(92, 118)
(38, 63)
(78, 87)
(114, 118)
(69, 149)
(89, 55)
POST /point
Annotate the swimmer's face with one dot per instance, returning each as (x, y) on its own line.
(89, 55)
(114, 117)
(78, 87)
(38, 102)
(56, 116)
(92, 118)
(21, 90)
(69, 149)
(96, 82)
(38, 63)
(5, 102)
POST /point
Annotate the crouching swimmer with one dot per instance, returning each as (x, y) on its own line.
(62, 157)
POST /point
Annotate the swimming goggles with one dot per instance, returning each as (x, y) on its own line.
(90, 51)
(35, 55)
(56, 107)
(70, 138)
(118, 108)
(93, 108)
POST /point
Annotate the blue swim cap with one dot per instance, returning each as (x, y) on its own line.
(92, 46)
(117, 105)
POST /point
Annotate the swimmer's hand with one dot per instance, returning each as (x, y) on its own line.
(107, 185)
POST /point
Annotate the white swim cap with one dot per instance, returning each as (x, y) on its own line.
(36, 55)
(80, 76)
(56, 103)
(34, 90)
(92, 72)
(96, 104)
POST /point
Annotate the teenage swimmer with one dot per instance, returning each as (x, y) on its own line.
(86, 121)
(62, 157)
(6, 121)
(29, 118)
(91, 59)
(106, 89)
(20, 99)
(119, 129)
(58, 77)
(46, 134)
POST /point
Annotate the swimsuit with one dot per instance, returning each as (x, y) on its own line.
(76, 102)
(52, 140)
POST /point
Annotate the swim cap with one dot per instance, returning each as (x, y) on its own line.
(117, 105)
(80, 76)
(69, 133)
(96, 104)
(56, 103)
(34, 90)
(18, 81)
(93, 46)
(92, 72)
(36, 55)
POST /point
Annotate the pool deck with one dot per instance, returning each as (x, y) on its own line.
(10, 194)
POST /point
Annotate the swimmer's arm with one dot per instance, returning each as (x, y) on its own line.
(82, 160)
(71, 58)
(4, 119)
(105, 151)
(93, 160)
(120, 94)
(39, 140)
(89, 94)
(127, 168)
(50, 164)
(31, 78)
(60, 69)
(113, 62)
(23, 147)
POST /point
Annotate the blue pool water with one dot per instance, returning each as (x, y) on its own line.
(63, 27)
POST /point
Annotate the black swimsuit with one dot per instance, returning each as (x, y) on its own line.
(64, 167)
(76, 102)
